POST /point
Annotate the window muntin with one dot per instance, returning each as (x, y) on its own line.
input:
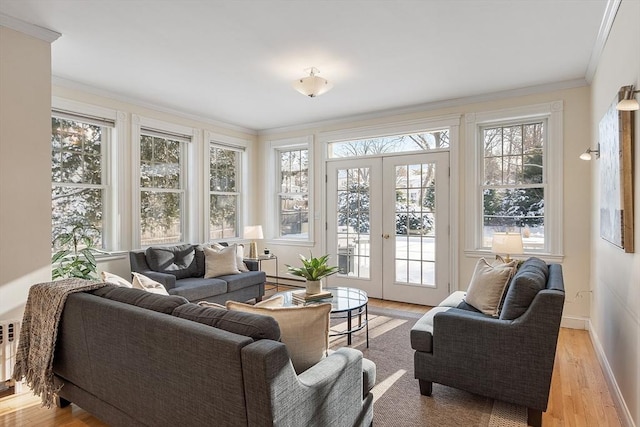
(514, 181)
(293, 198)
(78, 176)
(421, 141)
(224, 194)
(161, 189)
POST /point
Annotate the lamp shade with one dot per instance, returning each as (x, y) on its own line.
(312, 85)
(507, 243)
(253, 232)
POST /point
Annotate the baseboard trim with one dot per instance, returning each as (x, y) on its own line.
(616, 394)
(574, 322)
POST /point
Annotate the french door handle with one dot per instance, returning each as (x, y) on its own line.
(385, 236)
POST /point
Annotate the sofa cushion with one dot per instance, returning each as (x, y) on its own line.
(178, 260)
(488, 284)
(140, 281)
(240, 281)
(220, 262)
(303, 329)
(197, 288)
(138, 297)
(530, 279)
(251, 325)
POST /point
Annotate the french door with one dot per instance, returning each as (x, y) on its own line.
(388, 226)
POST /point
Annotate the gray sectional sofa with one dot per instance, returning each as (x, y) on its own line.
(181, 270)
(510, 357)
(133, 358)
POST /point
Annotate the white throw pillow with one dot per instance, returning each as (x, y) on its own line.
(211, 304)
(140, 281)
(275, 301)
(488, 284)
(220, 263)
(303, 329)
(114, 279)
(239, 255)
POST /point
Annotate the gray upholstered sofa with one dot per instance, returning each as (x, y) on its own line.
(133, 358)
(510, 357)
(181, 270)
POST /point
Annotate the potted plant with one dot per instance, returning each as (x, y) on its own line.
(313, 270)
(75, 254)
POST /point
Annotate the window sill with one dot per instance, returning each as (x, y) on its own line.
(290, 242)
(547, 257)
(110, 256)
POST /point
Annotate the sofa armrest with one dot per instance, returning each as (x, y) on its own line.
(251, 264)
(328, 393)
(167, 280)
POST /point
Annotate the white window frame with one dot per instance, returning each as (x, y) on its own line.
(273, 227)
(187, 154)
(552, 112)
(112, 153)
(243, 147)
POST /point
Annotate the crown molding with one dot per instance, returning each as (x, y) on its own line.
(24, 27)
(457, 102)
(71, 84)
(603, 34)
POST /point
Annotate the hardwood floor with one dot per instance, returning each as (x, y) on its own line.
(579, 394)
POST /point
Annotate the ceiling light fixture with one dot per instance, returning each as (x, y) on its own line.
(628, 103)
(587, 154)
(312, 85)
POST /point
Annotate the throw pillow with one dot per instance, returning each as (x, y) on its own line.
(275, 301)
(487, 286)
(140, 281)
(211, 304)
(114, 279)
(178, 260)
(220, 263)
(239, 255)
(303, 329)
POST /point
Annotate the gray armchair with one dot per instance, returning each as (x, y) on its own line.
(507, 358)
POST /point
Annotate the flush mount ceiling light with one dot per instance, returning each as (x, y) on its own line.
(628, 103)
(312, 85)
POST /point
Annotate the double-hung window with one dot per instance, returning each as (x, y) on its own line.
(514, 167)
(224, 191)
(79, 165)
(293, 193)
(162, 186)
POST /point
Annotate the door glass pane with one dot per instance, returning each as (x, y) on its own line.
(415, 224)
(353, 220)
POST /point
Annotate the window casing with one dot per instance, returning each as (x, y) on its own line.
(162, 168)
(514, 177)
(225, 176)
(80, 183)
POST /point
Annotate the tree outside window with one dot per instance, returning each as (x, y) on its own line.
(294, 193)
(78, 185)
(223, 192)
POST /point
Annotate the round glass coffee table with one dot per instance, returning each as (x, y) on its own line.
(346, 303)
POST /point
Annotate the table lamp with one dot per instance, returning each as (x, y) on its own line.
(253, 232)
(507, 243)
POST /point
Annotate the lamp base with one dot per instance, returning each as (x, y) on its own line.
(253, 250)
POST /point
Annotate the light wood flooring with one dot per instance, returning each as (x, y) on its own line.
(579, 394)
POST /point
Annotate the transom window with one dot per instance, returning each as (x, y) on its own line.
(78, 165)
(293, 197)
(513, 181)
(161, 188)
(422, 141)
(224, 194)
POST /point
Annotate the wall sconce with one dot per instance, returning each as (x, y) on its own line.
(312, 85)
(587, 154)
(628, 103)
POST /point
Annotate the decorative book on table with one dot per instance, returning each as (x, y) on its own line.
(303, 296)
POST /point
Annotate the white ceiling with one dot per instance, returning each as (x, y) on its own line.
(234, 61)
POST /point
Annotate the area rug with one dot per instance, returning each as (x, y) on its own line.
(397, 398)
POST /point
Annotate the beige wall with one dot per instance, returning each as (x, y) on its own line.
(576, 194)
(25, 168)
(615, 313)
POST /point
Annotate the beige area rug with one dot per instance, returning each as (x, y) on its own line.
(397, 398)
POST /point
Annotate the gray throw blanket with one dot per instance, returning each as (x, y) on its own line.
(42, 313)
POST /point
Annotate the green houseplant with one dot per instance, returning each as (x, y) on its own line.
(313, 270)
(75, 255)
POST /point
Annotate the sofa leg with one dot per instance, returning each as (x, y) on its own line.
(425, 387)
(61, 402)
(534, 417)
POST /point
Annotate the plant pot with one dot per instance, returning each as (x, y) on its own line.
(314, 286)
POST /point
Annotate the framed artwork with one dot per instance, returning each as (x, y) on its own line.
(616, 176)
